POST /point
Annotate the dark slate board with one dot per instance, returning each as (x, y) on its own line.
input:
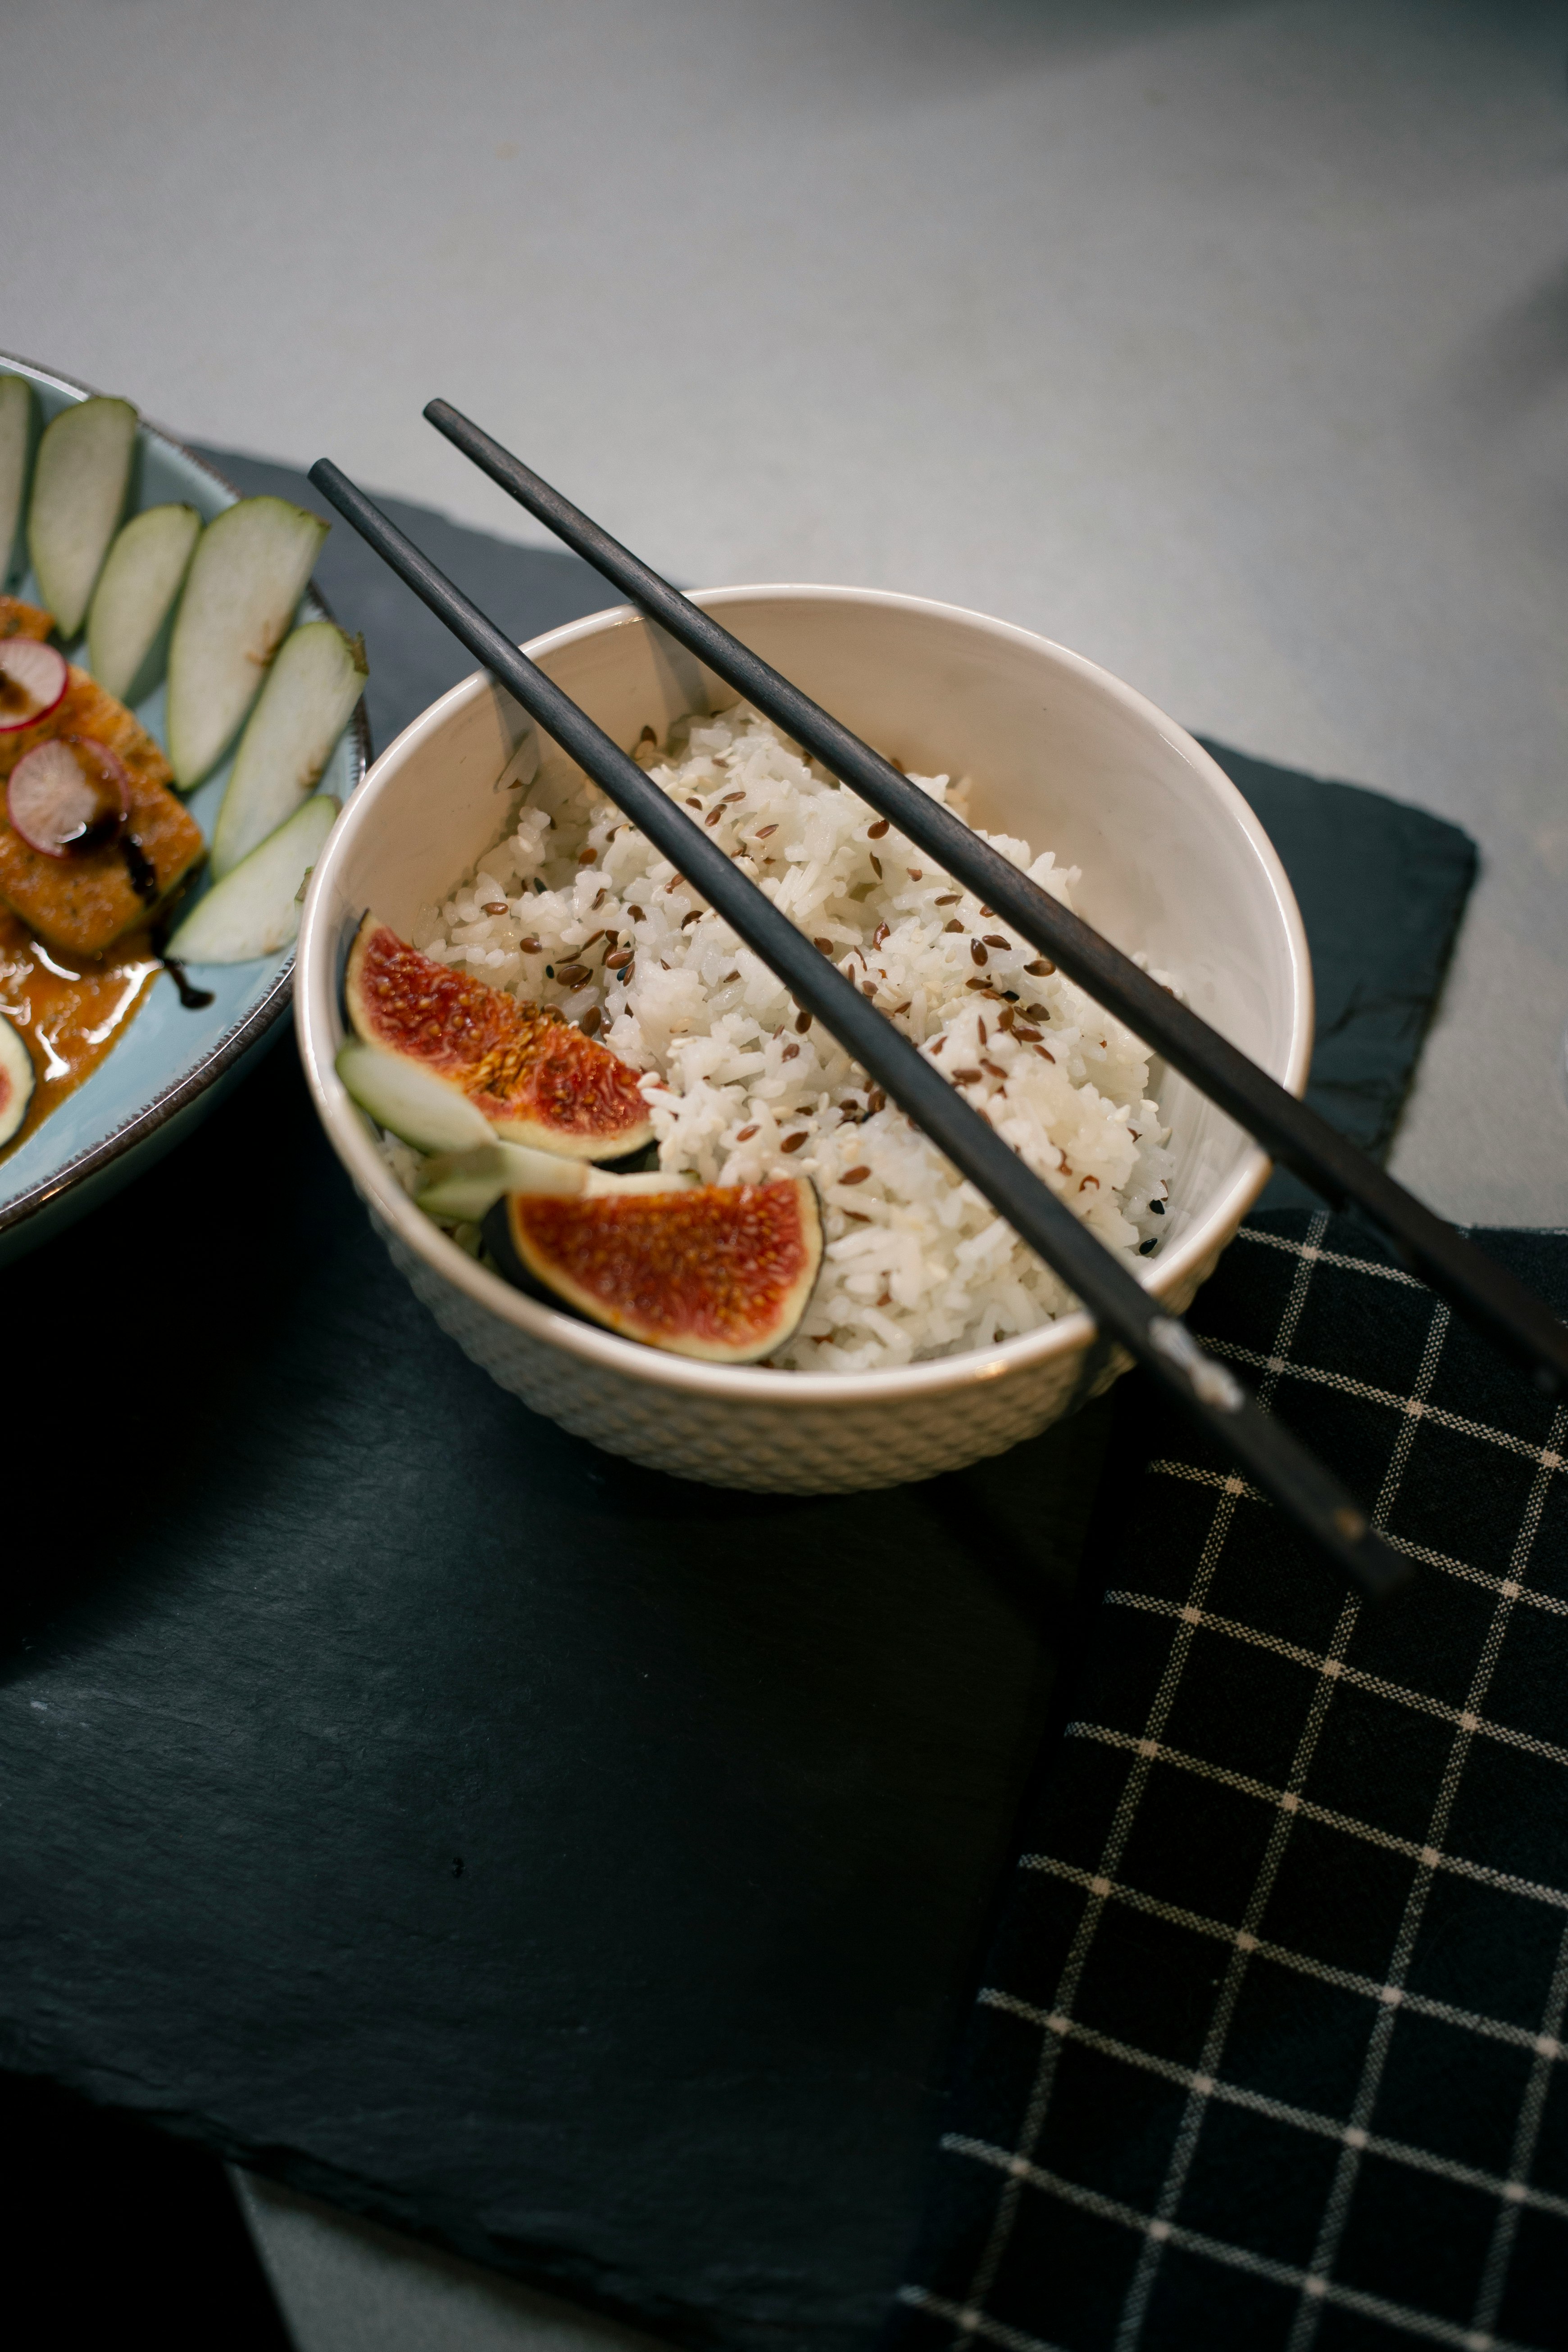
(582, 1869)
(478, 1831)
(1382, 896)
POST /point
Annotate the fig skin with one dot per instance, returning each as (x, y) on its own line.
(537, 1079)
(723, 1273)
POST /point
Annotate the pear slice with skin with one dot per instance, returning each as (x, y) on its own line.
(245, 579)
(143, 574)
(472, 1167)
(254, 910)
(301, 710)
(413, 1104)
(461, 1187)
(15, 457)
(79, 480)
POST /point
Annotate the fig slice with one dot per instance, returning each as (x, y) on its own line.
(721, 1272)
(16, 1081)
(67, 796)
(536, 1079)
(33, 681)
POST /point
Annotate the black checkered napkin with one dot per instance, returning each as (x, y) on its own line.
(1272, 2049)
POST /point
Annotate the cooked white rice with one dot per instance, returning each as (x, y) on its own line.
(917, 1264)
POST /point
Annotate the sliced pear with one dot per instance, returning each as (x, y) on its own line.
(79, 496)
(601, 1181)
(303, 710)
(247, 575)
(460, 1186)
(15, 452)
(16, 1081)
(254, 910)
(142, 576)
(409, 1102)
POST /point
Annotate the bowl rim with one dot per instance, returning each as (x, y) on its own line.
(756, 1383)
(236, 1042)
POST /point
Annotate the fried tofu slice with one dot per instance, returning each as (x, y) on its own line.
(83, 904)
(19, 620)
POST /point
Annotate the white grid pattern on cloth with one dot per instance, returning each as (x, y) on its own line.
(1508, 2186)
(1321, 2292)
(1463, 1719)
(1329, 1669)
(1517, 2192)
(1199, 2088)
(1329, 1817)
(1121, 1827)
(1306, 1964)
(1412, 1408)
(1309, 2312)
(1463, 1571)
(1315, 2287)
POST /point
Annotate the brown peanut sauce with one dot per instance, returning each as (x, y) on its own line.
(70, 1011)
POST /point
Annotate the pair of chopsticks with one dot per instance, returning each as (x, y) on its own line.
(1481, 1290)
(1307, 1492)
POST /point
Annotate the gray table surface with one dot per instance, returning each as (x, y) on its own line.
(1226, 344)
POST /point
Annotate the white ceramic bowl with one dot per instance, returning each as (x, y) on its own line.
(1173, 863)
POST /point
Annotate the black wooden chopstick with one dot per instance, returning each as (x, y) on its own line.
(1304, 1490)
(1485, 1293)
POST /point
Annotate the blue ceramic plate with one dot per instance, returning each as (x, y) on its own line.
(172, 1065)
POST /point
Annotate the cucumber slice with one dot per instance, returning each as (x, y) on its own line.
(78, 495)
(142, 576)
(247, 575)
(411, 1101)
(255, 910)
(15, 1080)
(16, 451)
(303, 710)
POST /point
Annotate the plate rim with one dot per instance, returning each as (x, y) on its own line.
(247, 1033)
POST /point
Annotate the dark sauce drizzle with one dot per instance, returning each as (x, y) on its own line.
(145, 882)
(139, 866)
(193, 999)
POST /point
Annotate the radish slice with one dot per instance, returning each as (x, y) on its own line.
(67, 796)
(33, 679)
(254, 910)
(15, 449)
(16, 1081)
(78, 495)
